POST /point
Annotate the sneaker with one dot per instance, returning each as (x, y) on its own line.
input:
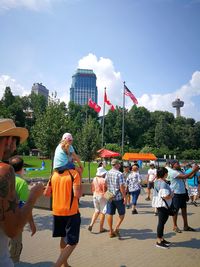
(134, 212)
(167, 243)
(161, 245)
(156, 214)
(90, 228)
(147, 199)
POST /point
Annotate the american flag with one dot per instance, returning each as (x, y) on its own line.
(131, 95)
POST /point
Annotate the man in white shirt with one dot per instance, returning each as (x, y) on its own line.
(151, 176)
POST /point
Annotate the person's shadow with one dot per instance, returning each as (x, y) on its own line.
(38, 264)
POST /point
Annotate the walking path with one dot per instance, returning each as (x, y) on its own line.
(135, 248)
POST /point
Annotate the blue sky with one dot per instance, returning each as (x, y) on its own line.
(151, 44)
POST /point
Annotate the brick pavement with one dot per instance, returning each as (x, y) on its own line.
(135, 248)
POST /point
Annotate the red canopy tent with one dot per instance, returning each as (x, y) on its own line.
(105, 153)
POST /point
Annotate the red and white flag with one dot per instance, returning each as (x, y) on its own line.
(108, 102)
(94, 105)
(130, 94)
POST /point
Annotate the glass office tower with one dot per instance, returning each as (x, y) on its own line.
(83, 87)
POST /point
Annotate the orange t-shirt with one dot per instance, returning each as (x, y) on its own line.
(61, 193)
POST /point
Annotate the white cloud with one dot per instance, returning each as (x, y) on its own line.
(35, 5)
(16, 88)
(107, 77)
(186, 93)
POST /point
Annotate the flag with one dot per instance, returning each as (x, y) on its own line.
(112, 108)
(108, 102)
(131, 95)
(106, 99)
(93, 105)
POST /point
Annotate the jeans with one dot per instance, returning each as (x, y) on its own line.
(135, 195)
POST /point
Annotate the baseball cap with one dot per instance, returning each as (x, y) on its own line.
(174, 161)
(114, 162)
(101, 171)
(67, 136)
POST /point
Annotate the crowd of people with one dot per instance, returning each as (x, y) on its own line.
(113, 190)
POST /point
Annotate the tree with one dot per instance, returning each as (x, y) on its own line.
(88, 141)
(49, 128)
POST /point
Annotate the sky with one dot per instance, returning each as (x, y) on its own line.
(152, 45)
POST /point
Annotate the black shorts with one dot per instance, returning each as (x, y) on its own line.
(67, 227)
(150, 185)
(179, 201)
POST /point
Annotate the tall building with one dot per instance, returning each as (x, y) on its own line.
(83, 87)
(40, 89)
(178, 104)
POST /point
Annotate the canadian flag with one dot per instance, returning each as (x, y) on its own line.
(94, 105)
(108, 102)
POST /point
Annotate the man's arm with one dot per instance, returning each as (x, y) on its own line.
(188, 175)
(14, 218)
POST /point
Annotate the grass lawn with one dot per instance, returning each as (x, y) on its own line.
(35, 162)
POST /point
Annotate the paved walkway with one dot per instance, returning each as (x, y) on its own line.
(135, 248)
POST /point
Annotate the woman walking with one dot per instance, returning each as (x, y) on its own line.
(98, 189)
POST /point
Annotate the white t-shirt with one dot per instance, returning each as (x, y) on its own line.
(152, 174)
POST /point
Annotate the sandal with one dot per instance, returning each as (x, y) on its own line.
(103, 230)
(189, 229)
(90, 228)
(117, 233)
(113, 235)
(177, 230)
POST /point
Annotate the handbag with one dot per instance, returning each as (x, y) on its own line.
(108, 195)
(171, 210)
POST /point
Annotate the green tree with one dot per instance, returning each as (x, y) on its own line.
(88, 141)
(49, 128)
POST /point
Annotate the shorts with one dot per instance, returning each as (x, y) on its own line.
(114, 205)
(67, 227)
(100, 204)
(193, 191)
(179, 201)
(150, 185)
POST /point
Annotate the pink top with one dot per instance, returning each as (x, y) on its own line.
(98, 186)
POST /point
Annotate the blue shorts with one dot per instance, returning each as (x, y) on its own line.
(67, 227)
(179, 201)
(116, 204)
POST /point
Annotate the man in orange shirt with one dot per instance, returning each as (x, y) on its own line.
(66, 190)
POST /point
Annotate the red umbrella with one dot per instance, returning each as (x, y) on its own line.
(105, 153)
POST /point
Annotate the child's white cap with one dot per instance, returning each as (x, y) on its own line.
(67, 136)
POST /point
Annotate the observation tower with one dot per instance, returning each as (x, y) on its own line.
(178, 104)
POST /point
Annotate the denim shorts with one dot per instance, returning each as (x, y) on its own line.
(114, 205)
(67, 227)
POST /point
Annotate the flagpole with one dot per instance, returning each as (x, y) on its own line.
(122, 148)
(102, 142)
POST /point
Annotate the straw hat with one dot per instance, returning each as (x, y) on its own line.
(8, 128)
(101, 171)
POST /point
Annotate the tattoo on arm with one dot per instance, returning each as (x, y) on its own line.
(2, 216)
(4, 188)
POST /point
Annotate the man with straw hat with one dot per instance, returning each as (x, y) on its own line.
(12, 219)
